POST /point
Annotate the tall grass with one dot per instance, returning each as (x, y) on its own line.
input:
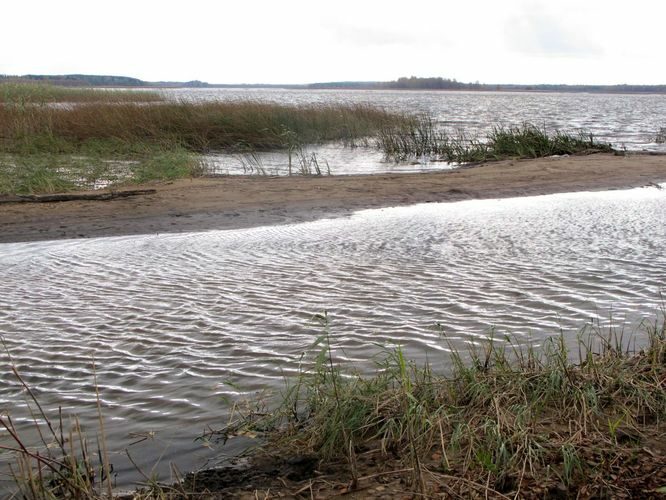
(508, 415)
(197, 127)
(421, 137)
(22, 93)
(46, 148)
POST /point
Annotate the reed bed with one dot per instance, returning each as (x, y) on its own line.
(197, 127)
(23, 93)
(55, 148)
(421, 137)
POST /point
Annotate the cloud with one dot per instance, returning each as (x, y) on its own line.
(540, 33)
(365, 36)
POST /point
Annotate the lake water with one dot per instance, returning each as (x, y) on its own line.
(625, 120)
(178, 323)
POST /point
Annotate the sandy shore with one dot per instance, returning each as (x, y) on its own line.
(239, 201)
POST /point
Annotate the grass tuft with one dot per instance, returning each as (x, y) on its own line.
(421, 137)
(510, 417)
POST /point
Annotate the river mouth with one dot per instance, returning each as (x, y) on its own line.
(179, 324)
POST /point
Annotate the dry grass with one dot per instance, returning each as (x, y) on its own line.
(199, 127)
(23, 93)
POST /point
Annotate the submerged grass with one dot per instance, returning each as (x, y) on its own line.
(421, 137)
(510, 420)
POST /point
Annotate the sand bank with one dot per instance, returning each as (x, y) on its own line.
(243, 201)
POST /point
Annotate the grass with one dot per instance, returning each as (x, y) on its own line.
(197, 127)
(23, 93)
(91, 169)
(510, 420)
(163, 135)
(421, 137)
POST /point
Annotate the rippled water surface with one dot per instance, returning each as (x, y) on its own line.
(177, 322)
(626, 120)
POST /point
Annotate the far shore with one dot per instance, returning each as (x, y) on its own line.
(233, 202)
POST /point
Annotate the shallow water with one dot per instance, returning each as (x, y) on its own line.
(178, 322)
(628, 121)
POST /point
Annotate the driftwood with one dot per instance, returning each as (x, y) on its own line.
(50, 198)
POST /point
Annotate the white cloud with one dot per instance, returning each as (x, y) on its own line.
(541, 32)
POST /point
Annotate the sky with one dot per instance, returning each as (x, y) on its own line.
(299, 41)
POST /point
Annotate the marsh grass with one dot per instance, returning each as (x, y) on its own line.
(508, 416)
(24, 93)
(421, 137)
(197, 127)
(164, 139)
(53, 173)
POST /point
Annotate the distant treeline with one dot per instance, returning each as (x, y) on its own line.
(403, 83)
(439, 83)
(96, 81)
(79, 80)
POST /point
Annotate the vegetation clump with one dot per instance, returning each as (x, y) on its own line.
(24, 93)
(509, 422)
(50, 148)
(421, 137)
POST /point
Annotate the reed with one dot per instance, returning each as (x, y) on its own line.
(197, 127)
(92, 169)
(51, 148)
(22, 93)
(421, 137)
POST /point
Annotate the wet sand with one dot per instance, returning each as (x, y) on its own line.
(243, 201)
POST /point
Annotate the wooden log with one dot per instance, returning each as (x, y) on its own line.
(52, 198)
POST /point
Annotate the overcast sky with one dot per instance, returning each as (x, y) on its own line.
(301, 41)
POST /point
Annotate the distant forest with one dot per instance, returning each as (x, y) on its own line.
(404, 83)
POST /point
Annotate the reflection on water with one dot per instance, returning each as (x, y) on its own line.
(332, 158)
(178, 321)
(628, 121)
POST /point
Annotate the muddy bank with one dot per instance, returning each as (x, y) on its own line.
(238, 201)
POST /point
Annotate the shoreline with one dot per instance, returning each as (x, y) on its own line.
(234, 202)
